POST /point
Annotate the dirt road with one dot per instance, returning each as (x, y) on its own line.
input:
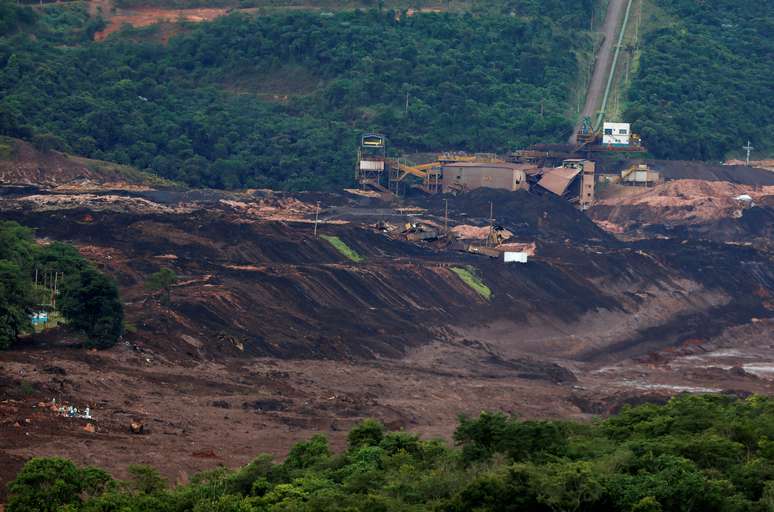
(603, 60)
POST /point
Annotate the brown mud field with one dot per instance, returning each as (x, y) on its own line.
(272, 334)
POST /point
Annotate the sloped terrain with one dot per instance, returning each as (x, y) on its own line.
(284, 293)
(273, 333)
(22, 165)
(697, 209)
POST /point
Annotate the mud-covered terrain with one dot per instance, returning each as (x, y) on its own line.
(273, 334)
(690, 208)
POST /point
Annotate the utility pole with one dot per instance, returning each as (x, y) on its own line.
(491, 223)
(749, 148)
(316, 218)
(53, 292)
(407, 101)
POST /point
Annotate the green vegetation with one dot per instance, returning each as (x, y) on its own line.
(27, 388)
(7, 148)
(469, 277)
(127, 172)
(703, 85)
(480, 81)
(87, 300)
(343, 248)
(13, 17)
(331, 5)
(707, 453)
(162, 280)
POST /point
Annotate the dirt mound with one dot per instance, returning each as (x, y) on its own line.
(23, 165)
(526, 215)
(251, 286)
(758, 164)
(715, 210)
(683, 201)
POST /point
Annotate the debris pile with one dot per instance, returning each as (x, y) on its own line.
(690, 200)
(525, 215)
(69, 411)
(468, 232)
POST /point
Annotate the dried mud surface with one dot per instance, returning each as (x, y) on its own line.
(273, 335)
(690, 209)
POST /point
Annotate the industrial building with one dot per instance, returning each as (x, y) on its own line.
(616, 134)
(575, 178)
(640, 174)
(464, 176)
(370, 161)
(637, 175)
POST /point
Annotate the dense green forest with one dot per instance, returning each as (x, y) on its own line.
(696, 453)
(521, 7)
(87, 299)
(704, 86)
(278, 101)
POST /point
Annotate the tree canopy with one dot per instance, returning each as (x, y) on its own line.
(88, 300)
(704, 84)
(711, 453)
(163, 281)
(278, 101)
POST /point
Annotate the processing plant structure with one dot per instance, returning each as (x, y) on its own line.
(570, 177)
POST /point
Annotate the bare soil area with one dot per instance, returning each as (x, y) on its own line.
(273, 334)
(690, 208)
(145, 16)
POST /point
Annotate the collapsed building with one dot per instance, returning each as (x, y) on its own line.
(464, 176)
(456, 173)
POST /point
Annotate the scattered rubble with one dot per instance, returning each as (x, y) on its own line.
(273, 334)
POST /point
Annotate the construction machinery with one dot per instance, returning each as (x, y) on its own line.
(428, 177)
(419, 232)
(609, 138)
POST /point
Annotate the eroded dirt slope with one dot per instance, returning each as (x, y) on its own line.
(695, 209)
(24, 166)
(273, 334)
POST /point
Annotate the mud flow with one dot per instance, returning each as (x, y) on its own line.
(279, 327)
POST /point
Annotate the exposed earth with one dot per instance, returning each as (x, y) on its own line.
(273, 334)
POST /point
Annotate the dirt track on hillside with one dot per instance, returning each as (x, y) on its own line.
(603, 60)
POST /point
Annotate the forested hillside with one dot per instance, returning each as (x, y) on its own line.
(278, 101)
(85, 298)
(708, 454)
(704, 85)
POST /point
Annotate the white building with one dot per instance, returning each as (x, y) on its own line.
(616, 134)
